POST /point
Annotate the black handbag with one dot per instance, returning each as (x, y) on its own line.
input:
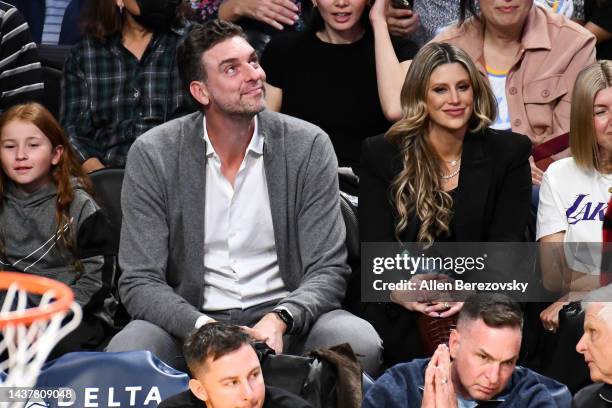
(311, 378)
(560, 360)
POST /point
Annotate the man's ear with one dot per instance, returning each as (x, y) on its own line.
(453, 342)
(199, 91)
(198, 389)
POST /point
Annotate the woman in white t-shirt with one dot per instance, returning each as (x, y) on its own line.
(575, 192)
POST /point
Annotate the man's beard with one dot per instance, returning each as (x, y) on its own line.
(243, 109)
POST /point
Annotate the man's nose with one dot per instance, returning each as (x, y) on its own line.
(493, 374)
(253, 73)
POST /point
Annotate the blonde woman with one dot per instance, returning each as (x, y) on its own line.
(441, 174)
(530, 57)
(575, 193)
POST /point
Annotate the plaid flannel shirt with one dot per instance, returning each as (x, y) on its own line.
(109, 97)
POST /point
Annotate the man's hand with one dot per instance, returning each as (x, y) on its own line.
(92, 164)
(439, 391)
(536, 173)
(269, 329)
(272, 12)
(401, 21)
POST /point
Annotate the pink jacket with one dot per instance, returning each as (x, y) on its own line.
(539, 85)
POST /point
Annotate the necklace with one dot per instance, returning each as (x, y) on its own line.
(453, 163)
(451, 174)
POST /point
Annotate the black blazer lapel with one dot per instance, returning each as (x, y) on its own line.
(474, 186)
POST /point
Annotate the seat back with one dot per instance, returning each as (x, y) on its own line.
(126, 379)
(349, 215)
(107, 184)
(52, 59)
(52, 78)
(352, 300)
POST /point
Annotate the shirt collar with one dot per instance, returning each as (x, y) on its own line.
(256, 144)
(605, 393)
(535, 32)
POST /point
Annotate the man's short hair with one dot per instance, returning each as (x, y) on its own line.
(199, 40)
(495, 310)
(213, 340)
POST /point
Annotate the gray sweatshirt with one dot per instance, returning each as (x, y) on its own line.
(30, 243)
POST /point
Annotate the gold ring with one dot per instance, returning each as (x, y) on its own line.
(444, 381)
(446, 305)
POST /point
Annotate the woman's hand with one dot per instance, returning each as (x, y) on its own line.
(378, 13)
(433, 303)
(536, 173)
(432, 309)
(272, 12)
(550, 316)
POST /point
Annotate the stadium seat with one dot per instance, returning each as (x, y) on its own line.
(107, 183)
(127, 379)
(352, 300)
(52, 59)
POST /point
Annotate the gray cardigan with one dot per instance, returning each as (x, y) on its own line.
(162, 236)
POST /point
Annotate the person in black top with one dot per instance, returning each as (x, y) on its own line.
(226, 373)
(596, 346)
(326, 75)
(440, 174)
(598, 20)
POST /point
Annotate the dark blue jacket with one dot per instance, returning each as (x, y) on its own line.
(34, 13)
(401, 386)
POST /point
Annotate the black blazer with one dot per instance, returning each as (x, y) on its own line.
(493, 199)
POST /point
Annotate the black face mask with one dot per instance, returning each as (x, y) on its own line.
(157, 15)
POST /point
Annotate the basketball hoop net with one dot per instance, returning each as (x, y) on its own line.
(29, 333)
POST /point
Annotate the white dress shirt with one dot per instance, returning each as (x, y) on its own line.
(240, 261)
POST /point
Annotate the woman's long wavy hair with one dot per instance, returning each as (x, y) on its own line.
(416, 191)
(63, 173)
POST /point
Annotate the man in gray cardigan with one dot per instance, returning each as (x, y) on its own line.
(234, 215)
